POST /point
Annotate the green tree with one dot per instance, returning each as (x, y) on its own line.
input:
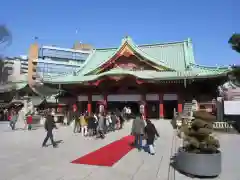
(199, 136)
(234, 41)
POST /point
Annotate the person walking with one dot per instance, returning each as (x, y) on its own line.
(21, 120)
(150, 133)
(83, 124)
(91, 123)
(13, 120)
(65, 119)
(49, 126)
(101, 125)
(138, 131)
(114, 121)
(109, 125)
(77, 125)
(30, 121)
(95, 124)
(121, 119)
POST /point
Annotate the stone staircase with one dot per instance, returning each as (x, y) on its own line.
(187, 106)
(187, 109)
(186, 114)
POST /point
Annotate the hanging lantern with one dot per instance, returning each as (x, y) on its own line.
(139, 81)
(101, 108)
(116, 78)
(96, 83)
(102, 105)
(142, 108)
(74, 107)
(59, 109)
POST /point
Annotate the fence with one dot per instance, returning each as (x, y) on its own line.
(216, 125)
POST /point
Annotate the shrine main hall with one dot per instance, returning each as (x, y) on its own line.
(161, 77)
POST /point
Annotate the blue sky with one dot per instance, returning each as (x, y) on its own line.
(209, 23)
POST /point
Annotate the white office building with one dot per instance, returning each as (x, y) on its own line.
(53, 61)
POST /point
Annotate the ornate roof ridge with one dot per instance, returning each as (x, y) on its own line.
(128, 41)
(162, 44)
(143, 45)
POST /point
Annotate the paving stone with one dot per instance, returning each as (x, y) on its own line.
(22, 157)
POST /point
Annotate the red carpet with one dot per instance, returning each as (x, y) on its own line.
(109, 154)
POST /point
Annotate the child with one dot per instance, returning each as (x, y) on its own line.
(150, 132)
(29, 122)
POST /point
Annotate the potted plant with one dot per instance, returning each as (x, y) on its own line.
(200, 155)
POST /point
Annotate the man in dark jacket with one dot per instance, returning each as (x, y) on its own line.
(77, 126)
(138, 131)
(150, 132)
(49, 126)
(114, 120)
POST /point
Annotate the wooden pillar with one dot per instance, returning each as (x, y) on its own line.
(89, 105)
(161, 108)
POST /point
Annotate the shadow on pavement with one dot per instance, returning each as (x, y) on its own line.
(57, 142)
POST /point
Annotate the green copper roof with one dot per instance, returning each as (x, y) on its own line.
(15, 84)
(12, 86)
(36, 100)
(96, 59)
(207, 69)
(45, 91)
(175, 56)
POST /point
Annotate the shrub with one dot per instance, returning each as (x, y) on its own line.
(204, 115)
(199, 136)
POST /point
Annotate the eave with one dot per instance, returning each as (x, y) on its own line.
(144, 75)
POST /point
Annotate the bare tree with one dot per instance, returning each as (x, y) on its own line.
(5, 40)
(5, 36)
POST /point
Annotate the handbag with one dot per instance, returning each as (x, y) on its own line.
(151, 149)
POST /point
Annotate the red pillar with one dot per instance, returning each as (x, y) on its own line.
(180, 104)
(161, 108)
(89, 105)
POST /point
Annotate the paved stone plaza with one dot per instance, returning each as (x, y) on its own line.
(23, 158)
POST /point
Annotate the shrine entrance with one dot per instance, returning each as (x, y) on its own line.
(120, 101)
(82, 107)
(153, 109)
(169, 107)
(134, 106)
(170, 102)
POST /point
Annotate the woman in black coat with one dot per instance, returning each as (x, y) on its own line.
(150, 132)
(91, 124)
